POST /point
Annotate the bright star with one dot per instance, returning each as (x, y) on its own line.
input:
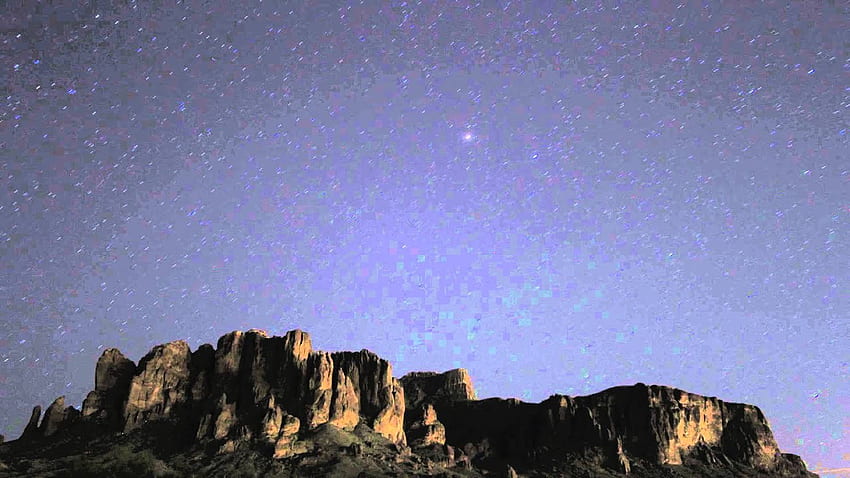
(467, 137)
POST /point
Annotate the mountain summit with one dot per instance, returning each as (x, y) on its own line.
(257, 405)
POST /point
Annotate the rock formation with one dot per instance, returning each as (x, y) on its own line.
(251, 385)
(655, 424)
(31, 430)
(112, 377)
(422, 390)
(273, 394)
(160, 386)
(453, 385)
(57, 416)
(423, 428)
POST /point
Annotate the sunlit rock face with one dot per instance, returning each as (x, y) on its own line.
(253, 370)
(160, 386)
(380, 396)
(250, 386)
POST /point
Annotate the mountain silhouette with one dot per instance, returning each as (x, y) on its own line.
(257, 405)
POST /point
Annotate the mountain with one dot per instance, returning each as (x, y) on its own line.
(272, 406)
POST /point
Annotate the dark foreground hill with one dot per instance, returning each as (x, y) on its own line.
(271, 406)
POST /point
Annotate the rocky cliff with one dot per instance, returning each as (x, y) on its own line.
(278, 398)
(251, 386)
(651, 425)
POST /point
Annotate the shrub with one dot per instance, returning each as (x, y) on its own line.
(121, 462)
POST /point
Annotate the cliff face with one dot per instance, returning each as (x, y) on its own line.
(421, 391)
(267, 393)
(112, 377)
(651, 424)
(250, 386)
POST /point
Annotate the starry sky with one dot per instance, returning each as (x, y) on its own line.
(558, 196)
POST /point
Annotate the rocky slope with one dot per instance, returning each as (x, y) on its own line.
(272, 406)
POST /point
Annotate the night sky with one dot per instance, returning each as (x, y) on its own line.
(558, 196)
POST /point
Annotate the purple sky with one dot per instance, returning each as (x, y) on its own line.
(558, 196)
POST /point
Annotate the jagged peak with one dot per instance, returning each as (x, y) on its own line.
(362, 354)
(174, 345)
(175, 348)
(297, 341)
(112, 352)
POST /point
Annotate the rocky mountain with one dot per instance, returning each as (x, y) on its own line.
(272, 406)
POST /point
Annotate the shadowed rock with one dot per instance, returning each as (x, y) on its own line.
(57, 417)
(424, 429)
(31, 430)
(453, 385)
(656, 424)
(112, 377)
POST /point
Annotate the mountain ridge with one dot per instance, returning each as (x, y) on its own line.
(274, 402)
